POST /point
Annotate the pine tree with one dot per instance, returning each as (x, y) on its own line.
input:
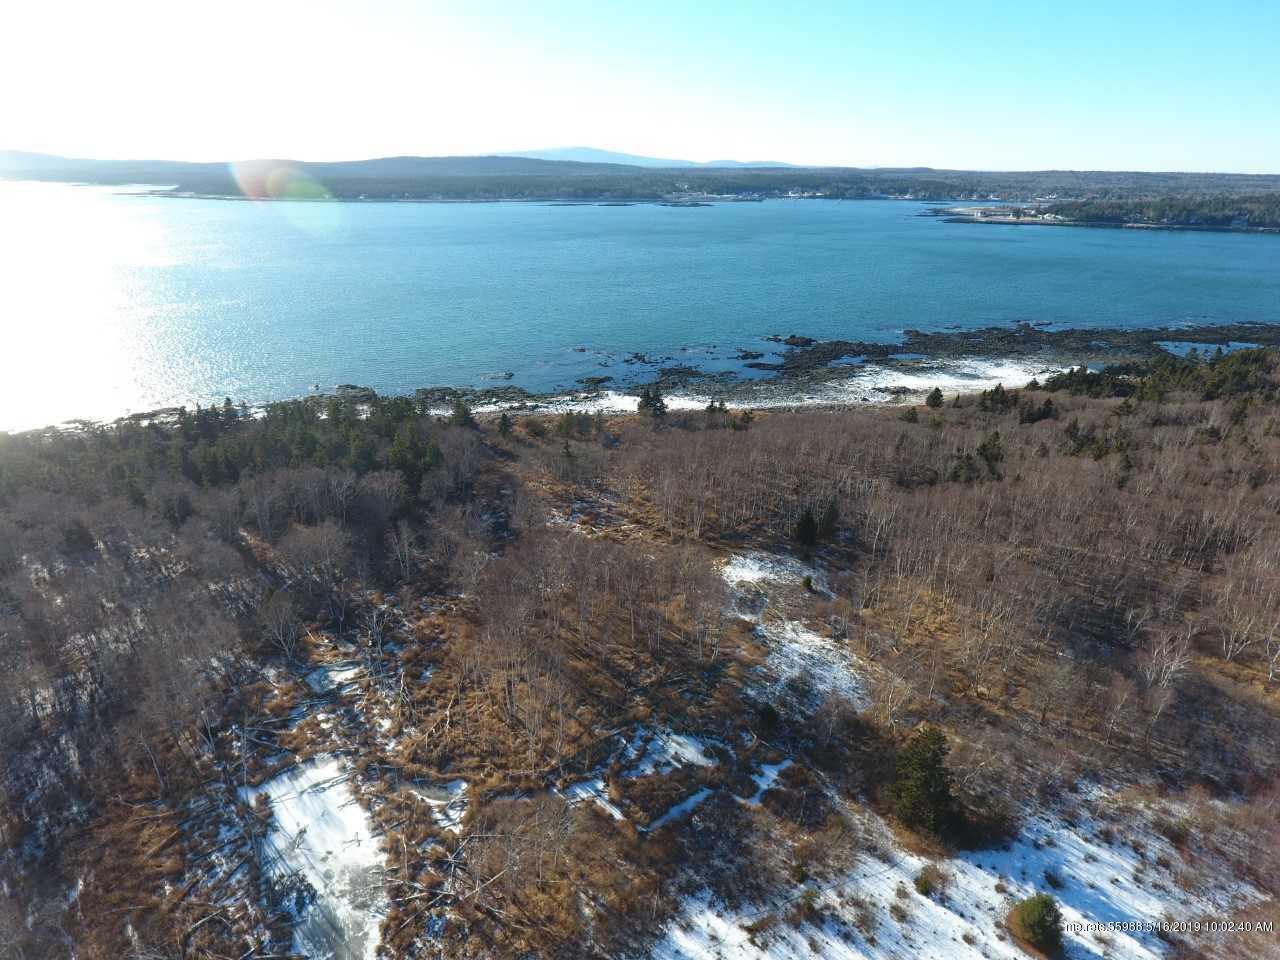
(921, 790)
(1038, 922)
(460, 415)
(934, 400)
(651, 403)
(504, 425)
(807, 529)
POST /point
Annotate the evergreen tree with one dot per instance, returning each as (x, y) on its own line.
(1038, 921)
(921, 790)
(460, 415)
(807, 529)
(934, 400)
(504, 425)
(651, 402)
(991, 450)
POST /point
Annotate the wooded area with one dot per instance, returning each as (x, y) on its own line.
(1074, 579)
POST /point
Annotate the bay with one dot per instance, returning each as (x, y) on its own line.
(114, 302)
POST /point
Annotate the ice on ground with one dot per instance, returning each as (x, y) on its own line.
(332, 676)
(320, 833)
(765, 780)
(679, 810)
(799, 657)
(593, 790)
(657, 751)
(755, 567)
(1093, 881)
(448, 802)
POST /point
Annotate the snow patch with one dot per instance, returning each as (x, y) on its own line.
(660, 751)
(800, 657)
(755, 567)
(1093, 881)
(765, 780)
(594, 791)
(332, 677)
(679, 810)
(448, 801)
(320, 833)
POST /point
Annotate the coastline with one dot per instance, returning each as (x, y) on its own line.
(810, 373)
(983, 215)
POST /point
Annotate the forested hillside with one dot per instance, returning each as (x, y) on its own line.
(883, 682)
(518, 178)
(1212, 211)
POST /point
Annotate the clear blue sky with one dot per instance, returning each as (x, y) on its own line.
(1131, 84)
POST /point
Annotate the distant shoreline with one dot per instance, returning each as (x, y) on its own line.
(985, 216)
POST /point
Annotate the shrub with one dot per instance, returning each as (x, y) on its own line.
(930, 880)
(934, 400)
(910, 415)
(1037, 921)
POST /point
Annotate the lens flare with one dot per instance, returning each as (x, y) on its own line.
(284, 181)
(277, 180)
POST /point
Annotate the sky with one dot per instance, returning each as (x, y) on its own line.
(1125, 84)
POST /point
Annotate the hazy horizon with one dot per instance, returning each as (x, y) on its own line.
(679, 161)
(999, 88)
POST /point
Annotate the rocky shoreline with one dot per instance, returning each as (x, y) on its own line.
(809, 364)
(813, 372)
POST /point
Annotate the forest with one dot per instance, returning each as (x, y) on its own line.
(1262, 210)
(517, 178)
(633, 661)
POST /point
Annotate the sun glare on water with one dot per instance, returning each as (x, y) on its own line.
(71, 302)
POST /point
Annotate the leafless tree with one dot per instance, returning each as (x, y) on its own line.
(280, 623)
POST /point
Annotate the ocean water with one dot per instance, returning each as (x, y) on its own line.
(114, 303)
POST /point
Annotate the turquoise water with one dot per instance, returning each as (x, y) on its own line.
(114, 303)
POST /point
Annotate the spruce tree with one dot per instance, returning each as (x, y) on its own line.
(921, 790)
(934, 400)
(807, 529)
(1038, 922)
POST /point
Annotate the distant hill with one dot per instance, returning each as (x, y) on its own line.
(16, 163)
(594, 180)
(592, 155)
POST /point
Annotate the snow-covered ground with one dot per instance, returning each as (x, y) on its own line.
(961, 375)
(800, 657)
(332, 676)
(874, 913)
(320, 833)
(594, 791)
(866, 382)
(685, 806)
(796, 653)
(765, 780)
(448, 801)
(755, 567)
(656, 751)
